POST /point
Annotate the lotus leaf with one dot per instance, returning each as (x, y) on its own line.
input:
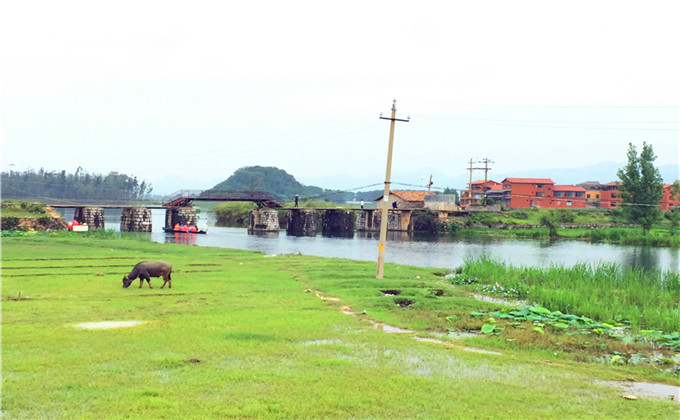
(560, 325)
(539, 310)
(488, 328)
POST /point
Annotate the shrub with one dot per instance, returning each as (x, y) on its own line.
(565, 216)
(10, 223)
(519, 214)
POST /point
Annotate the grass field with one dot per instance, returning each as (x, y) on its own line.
(243, 335)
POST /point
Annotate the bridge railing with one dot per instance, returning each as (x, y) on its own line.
(239, 195)
(181, 194)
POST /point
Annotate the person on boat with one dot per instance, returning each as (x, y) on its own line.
(176, 227)
(184, 228)
(192, 228)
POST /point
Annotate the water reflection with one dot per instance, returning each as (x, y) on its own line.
(182, 238)
(642, 257)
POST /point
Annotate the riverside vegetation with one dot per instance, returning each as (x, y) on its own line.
(244, 335)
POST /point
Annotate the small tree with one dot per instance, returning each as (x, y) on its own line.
(549, 219)
(641, 187)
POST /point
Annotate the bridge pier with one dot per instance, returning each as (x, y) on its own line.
(92, 216)
(135, 219)
(397, 220)
(302, 222)
(263, 220)
(181, 215)
(338, 223)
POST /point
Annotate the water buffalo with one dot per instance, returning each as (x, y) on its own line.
(147, 269)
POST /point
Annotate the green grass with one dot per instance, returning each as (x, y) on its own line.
(263, 344)
(647, 299)
(13, 208)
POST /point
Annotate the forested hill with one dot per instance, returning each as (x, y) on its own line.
(42, 185)
(270, 179)
(282, 184)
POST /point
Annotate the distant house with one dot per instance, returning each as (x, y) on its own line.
(568, 196)
(610, 196)
(407, 199)
(476, 191)
(529, 192)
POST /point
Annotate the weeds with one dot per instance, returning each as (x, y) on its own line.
(648, 299)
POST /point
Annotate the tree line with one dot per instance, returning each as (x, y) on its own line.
(81, 185)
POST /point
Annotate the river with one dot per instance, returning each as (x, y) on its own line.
(442, 252)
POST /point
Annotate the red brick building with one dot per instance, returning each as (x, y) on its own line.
(529, 192)
(610, 196)
(568, 196)
(669, 202)
(478, 190)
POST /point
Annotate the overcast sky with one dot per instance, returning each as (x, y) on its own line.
(182, 94)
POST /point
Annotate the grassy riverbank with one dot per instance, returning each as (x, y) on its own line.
(243, 335)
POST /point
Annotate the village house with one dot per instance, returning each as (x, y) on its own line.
(517, 193)
(529, 192)
(610, 196)
(568, 196)
(406, 199)
(478, 189)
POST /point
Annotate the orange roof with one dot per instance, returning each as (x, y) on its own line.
(614, 183)
(492, 185)
(567, 188)
(409, 195)
(529, 180)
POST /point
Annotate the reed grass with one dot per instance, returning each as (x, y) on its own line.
(647, 299)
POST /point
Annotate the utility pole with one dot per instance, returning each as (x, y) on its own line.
(429, 184)
(470, 183)
(486, 162)
(384, 203)
(485, 169)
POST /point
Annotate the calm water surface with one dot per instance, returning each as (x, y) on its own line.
(443, 252)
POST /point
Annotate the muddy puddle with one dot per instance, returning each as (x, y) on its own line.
(646, 390)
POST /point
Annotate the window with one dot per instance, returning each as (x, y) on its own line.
(540, 185)
(540, 194)
(613, 195)
(587, 195)
(613, 204)
(568, 203)
(569, 194)
(579, 194)
(558, 194)
(597, 195)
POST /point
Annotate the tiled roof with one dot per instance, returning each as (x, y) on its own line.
(417, 196)
(489, 183)
(411, 195)
(567, 188)
(529, 180)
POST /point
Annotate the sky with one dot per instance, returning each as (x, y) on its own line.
(182, 94)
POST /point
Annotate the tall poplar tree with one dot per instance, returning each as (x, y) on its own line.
(641, 187)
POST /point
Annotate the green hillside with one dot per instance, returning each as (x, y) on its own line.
(270, 179)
